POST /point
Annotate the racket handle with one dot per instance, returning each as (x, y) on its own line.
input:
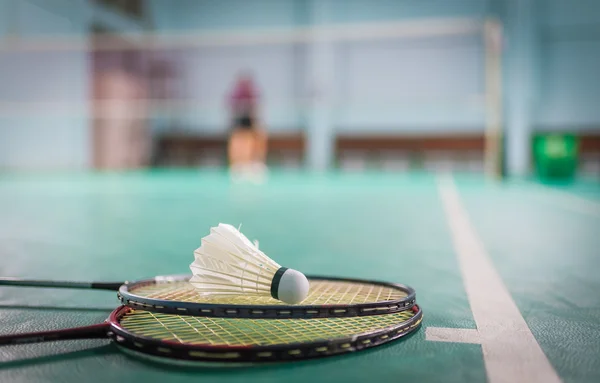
(113, 286)
(86, 332)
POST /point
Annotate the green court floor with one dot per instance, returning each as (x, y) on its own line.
(456, 239)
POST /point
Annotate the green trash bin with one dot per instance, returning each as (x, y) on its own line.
(556, 155)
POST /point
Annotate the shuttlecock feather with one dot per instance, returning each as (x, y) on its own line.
(228, 263)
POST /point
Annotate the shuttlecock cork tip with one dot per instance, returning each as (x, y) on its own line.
(289, 286)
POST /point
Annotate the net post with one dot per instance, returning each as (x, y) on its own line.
(494, 146)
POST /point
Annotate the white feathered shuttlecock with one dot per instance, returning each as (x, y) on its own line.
(227, 263)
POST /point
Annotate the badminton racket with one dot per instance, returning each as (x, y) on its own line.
(173, 294)
(204, 339)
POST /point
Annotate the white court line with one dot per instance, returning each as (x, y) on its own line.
(510, 352)
(570, 201)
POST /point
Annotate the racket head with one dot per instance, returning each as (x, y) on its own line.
(201, 340)
(328, 297)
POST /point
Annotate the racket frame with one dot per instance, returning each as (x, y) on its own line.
(257, 354)
(128, 297)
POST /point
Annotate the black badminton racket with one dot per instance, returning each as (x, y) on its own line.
(173, 294)
(204, 339)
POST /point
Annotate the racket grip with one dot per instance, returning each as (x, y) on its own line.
(86, 332)
(113, 286)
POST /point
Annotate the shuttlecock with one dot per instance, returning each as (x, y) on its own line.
(227, 263)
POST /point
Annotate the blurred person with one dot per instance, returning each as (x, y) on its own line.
(247, 146)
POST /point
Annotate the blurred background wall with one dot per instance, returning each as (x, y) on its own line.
(428, 81)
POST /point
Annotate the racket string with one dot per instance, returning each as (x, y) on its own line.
(346, 291)
(368, 294)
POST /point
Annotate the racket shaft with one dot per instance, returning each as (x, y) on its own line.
(86, 332)
(113, 286)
